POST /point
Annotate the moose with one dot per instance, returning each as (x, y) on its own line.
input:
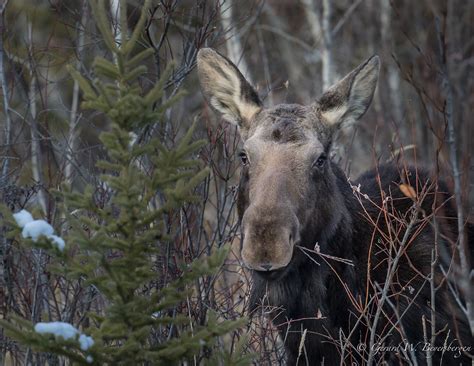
(343, 269)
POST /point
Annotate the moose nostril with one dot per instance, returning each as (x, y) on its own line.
(266, 267)
(291, 238)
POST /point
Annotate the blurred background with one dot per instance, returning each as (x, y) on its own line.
(290, 50)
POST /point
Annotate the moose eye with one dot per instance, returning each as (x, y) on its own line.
(319, 162)
(243, 158)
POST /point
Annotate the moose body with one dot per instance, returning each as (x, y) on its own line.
(320, 247)
(313, 292)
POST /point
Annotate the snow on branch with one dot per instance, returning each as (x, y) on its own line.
(34, 229)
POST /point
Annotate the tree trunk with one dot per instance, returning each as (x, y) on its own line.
(235, 51)
(73, 120)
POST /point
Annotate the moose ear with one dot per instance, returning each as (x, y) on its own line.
(226, 89)
(347, 100)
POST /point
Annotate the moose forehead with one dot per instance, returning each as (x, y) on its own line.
(285, 125)
(288, 124)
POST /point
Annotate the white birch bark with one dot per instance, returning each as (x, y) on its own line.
(326, 50)
(392, 71)
(73, 120)
(36, 156)
(235, 51)
(320, 28)
(116, 11)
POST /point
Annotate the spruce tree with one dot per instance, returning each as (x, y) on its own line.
(115, 244)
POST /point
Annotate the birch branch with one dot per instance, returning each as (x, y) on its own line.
(320, 28)
(393, 74)
(233, 43)
(36, 156)
(73, 120)
(117, 21)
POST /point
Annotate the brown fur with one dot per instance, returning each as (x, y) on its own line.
(292, 196)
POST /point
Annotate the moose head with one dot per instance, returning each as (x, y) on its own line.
(288, 190)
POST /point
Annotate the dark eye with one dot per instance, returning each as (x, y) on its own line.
(243, 158)
(319, 163)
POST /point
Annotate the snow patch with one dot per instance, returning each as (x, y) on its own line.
(22, 218)
(66, 331)
(59, 329)
(58, 241)
(86, 342)
(37, 228)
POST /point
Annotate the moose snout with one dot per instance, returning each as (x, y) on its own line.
(269, 237)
